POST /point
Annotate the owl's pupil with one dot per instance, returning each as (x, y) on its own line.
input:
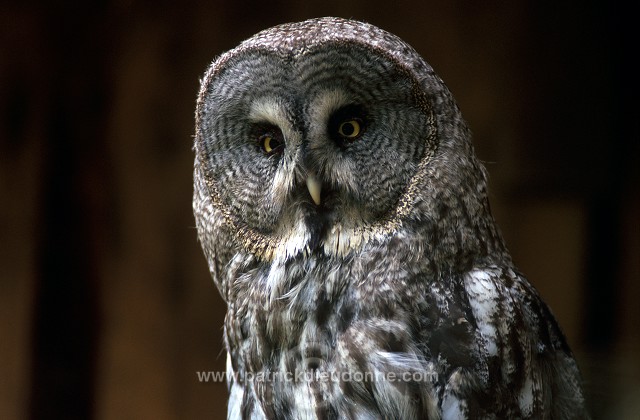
(348, 129)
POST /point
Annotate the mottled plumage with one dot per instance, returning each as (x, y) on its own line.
(345, 220)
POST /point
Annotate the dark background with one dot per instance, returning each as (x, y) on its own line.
(106, 303)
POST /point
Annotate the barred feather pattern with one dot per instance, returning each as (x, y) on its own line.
(395, 296)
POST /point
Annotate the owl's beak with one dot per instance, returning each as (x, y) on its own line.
(315, 188)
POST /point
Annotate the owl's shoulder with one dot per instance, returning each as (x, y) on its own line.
(498, 335)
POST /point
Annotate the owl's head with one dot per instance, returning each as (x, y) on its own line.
(325, 135)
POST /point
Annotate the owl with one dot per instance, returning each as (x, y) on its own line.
(345, 220)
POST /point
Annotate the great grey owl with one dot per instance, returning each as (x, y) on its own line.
(345, 220)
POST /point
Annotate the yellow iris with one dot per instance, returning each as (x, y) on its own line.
(349, 129)
(267, 144)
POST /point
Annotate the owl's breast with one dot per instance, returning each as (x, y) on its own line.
(324, 326)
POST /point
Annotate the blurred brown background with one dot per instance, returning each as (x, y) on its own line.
(106, 305)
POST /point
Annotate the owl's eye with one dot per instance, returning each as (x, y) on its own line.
(271, 142)
(347, 124)
(350, 129)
